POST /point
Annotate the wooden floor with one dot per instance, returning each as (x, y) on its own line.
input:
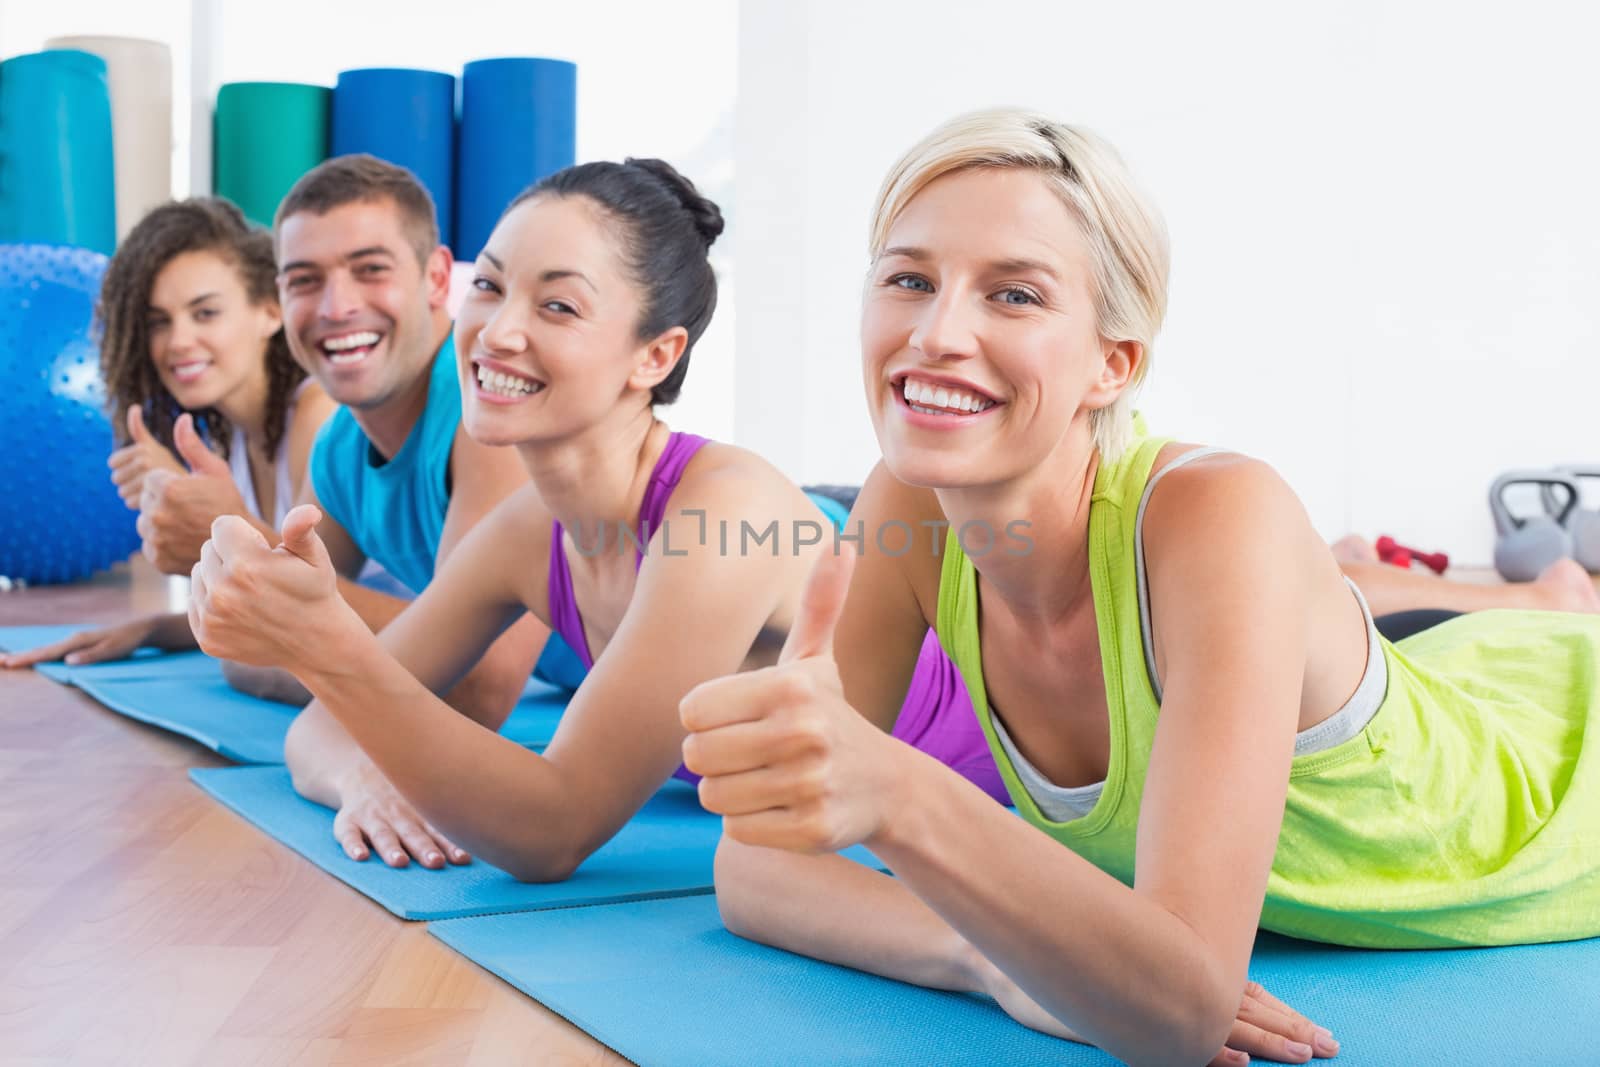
(143, 923)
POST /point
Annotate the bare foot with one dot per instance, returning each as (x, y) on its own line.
(1353, 548)
(1566, 586)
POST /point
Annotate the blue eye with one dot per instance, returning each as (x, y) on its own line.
(484, 285)
(1017, 297)
(915, 283)
(560, 307)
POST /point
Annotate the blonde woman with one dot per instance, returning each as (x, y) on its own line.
(1217, 734)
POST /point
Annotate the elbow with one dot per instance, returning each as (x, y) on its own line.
(1192, 1030)
(737, 900)
(541, 862)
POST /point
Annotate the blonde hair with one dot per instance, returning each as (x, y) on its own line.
(1127, 239)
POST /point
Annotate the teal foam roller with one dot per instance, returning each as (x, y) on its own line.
(57, 177)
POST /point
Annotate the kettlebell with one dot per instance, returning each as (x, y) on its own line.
(1584, 525)
(1526, 545)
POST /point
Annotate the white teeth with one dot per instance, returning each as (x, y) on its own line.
(493, 381)
(941, 400)
(346, 342)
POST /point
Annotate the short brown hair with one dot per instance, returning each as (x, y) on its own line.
(363, 178)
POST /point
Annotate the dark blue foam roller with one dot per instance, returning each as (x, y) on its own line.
(519, 122)
(407, 117)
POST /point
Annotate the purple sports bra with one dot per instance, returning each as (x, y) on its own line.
(680, 449)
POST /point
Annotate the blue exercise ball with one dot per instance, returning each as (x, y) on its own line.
(60, 516)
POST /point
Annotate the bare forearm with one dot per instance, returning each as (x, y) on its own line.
(499, 800)
(830, 908)
(1113, 964)
(267, 683)
(376, 609)
(489, 691)
(171, 633)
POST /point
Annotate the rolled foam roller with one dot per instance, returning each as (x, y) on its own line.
(518, 124)
(139, 76)
(267, 135)
(57, 178)
(407, 117)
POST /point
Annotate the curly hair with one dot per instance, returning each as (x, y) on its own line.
(201, 224)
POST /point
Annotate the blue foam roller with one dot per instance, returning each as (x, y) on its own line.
(666, 849)
(664, 983)
(519, 120)
(60, 516)
(407, 117)
(57, 176)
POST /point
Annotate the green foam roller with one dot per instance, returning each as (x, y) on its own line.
(267, 135)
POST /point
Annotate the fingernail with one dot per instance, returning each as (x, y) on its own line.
(1295, 1048)
(434, 857)
(1326, 1044)
(396, 857)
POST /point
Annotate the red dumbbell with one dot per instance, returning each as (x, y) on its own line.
(1391, 551)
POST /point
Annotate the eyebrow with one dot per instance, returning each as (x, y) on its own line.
(996, 266)
(202, 298)
(547, 276)
(360, 253)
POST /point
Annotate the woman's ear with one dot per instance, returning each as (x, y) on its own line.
(271, 318)
(1118, 370)
(658, 358)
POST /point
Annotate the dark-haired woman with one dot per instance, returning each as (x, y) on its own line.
(191, 329)
(584, 310)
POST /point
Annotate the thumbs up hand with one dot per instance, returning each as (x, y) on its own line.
(267, 606)
(141, 455)
(784, 759)
(176, 509)
(201, 460)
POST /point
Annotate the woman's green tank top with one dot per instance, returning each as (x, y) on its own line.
(1467, 812)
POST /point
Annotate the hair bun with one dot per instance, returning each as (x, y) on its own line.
(705, 215)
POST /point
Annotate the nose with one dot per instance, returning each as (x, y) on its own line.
(946, 326)
(339, 297)
(180, 336)
(504, 331)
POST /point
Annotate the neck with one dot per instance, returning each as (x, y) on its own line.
(1050, 580)
(246, 407)
(596, 479)
(387, 425)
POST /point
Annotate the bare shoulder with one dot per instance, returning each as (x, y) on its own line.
(735, 481)
(312, 408)
(1225, 503)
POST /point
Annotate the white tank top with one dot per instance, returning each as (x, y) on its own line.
(283, 480)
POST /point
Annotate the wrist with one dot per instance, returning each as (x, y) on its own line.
(330, 645)
(903, 772)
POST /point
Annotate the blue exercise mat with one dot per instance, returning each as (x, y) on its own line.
(57, 176)
(185, 692)
(662, 982)
(664, 850)
(519, 121)
(407, 117)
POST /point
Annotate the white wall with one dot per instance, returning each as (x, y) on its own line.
(1384, 225)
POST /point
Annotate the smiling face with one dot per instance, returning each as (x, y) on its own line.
(358, 306)
(548, 335)
(978, 335)
(207, 340)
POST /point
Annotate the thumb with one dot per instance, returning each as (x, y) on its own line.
(821, 604)
(201, 460)
(299, 534)
(138, 433)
